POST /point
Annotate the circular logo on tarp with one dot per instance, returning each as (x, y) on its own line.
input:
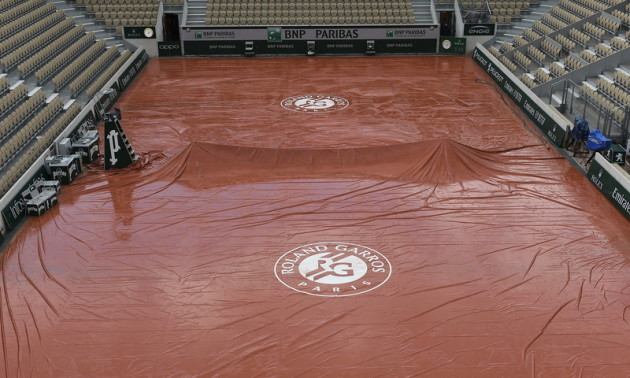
(333, 269)
(315, 103)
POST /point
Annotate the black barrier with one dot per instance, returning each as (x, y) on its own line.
(340, 46)
(406, 46)
(452, 45)
(206, 48)
(15, 211)
(540, 117)
(610, 187)
(298, 47)
(132, 71)
(280, 48)
(169, 49)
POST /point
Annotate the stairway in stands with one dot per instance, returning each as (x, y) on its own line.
(196, 12)
(422, 12)
(536, 11)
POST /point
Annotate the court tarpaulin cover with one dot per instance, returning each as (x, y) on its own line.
(321, 217)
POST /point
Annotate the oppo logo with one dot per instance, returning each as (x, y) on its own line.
(169, 47)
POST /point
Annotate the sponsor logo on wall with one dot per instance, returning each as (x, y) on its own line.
(274, 34)
(139, 32)
(280, 34)
(610, 187)
(169, 49)
(333, 269)
(453, 45)
(479, 29)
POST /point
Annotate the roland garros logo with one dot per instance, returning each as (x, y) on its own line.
(315, 103)
(333, 269)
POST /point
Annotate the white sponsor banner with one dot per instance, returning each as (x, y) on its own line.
(278, 34)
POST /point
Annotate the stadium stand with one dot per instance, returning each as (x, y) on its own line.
(16, 33)
(579, 37)
(550, 49)
(43, 51)
(19, 54)
(118, 13)
(557, 69)
(4, 85)
(528, 80)
(542, 75)
(494, 51)
(54, 65)
(518, 41)
(99, 82)
(508, 63)
(82, 61)
(61, 42)
(619, 43)
(536, 55)
(572, 63)
(522, 60)
(602, 50)
(531, 35)
(588, 56)
(23, 162)
(566, 43)
(13, 97)
(506, 47)
(622, 78)
(251, 12)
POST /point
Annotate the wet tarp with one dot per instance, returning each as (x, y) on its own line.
(502, 260)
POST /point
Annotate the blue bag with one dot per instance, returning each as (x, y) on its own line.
(597, 141)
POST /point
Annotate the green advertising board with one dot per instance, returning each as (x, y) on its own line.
(139, 32)
(612, 189)
(540, 117)
(170, 48)
(479, 29)
(15, 211)
(452, 45)
(124, 81)
(325, 47)
(206, 48)
(616, 154)
(406, 46)
(340, 47)
(280, 48)
(274, 34)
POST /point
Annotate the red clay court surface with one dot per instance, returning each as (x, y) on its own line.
(485, 253)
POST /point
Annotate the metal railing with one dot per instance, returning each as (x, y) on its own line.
(576, 102)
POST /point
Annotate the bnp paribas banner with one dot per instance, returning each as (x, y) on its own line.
(540, 117)
(280, 34)
(607, 184)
